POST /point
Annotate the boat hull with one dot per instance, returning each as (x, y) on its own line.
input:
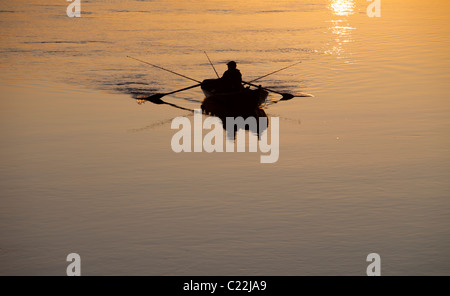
(243, 98)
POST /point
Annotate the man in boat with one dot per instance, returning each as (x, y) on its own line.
(232, 78)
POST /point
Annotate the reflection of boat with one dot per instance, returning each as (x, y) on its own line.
(226, 106)
(244, 98)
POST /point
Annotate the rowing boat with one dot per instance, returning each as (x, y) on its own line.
(214, 88)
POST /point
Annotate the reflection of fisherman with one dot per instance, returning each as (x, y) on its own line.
(232, 78)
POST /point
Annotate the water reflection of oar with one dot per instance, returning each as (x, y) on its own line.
(157, 97)
(157, 100)
(286, 96)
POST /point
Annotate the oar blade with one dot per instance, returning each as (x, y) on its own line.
(156, 98)
(286, 97)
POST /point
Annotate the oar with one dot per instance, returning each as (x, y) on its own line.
(286, 96)
(181, 75)
(274, 72)
(156, 98)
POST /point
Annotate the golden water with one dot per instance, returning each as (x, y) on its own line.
(363, 167)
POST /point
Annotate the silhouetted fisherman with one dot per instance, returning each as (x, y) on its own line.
(232, 78)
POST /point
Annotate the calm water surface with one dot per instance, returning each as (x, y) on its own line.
(363, 167)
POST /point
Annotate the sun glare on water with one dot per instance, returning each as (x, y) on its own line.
(342, 7)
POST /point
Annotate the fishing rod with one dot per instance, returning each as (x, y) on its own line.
(274, 72)
(211, 64)
(181, 75)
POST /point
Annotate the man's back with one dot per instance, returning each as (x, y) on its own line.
(232, 79)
